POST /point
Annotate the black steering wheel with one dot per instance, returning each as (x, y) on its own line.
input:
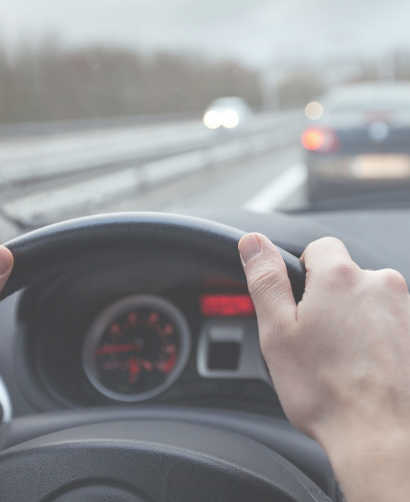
(142, 453)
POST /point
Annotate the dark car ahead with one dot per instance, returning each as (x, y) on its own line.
(361, 142)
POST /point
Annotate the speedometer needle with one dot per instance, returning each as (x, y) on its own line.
(115, 349)
(133, 369)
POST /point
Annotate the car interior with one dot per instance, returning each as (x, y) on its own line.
(73, 271)
(138, 144)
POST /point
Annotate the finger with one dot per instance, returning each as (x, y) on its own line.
(327, 255)
(268, 282)
(6, 265)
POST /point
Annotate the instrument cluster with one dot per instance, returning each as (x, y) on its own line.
(138, 333)
(137, 347)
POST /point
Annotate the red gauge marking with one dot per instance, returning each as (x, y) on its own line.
(133, 370)
(132, 318)
(147, 365)
(167, 367)
(153, 318)
(115, 329)
(168, 330)
(170, 348)
(115, 349)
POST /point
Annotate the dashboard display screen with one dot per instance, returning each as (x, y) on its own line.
(229, 305)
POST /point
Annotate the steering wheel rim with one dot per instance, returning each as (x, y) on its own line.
(58, 249)
(83, 242)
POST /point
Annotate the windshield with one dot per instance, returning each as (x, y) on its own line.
(172, 105)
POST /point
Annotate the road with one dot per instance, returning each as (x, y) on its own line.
(263, 183)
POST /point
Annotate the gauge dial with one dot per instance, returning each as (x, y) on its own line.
(136, 348)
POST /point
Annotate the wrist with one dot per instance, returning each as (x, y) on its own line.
(373, 470)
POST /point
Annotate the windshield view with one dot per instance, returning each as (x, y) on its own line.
(164, 105)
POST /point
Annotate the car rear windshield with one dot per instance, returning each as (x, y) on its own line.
(362, 103)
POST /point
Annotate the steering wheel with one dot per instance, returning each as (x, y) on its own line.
(134, 454)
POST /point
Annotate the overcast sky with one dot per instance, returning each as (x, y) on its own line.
(256, 31)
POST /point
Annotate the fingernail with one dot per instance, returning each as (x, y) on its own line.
(5, 260)
(249, 246)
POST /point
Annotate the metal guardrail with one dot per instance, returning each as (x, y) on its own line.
(90, 153)
(35, 196)
(55, 127)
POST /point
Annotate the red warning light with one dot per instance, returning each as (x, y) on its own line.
(226, 306)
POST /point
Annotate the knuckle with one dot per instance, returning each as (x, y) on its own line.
(324, 244)
(393, 280)
(341, 267)
(341, 271)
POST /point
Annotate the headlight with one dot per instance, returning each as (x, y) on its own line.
(314, 110)
(213, 119)
(230, 119)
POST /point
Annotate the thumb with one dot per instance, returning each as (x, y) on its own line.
(6, 265)
(268, 284)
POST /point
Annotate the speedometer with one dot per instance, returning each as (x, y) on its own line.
(136, 348)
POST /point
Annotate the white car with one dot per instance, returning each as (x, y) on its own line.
(227, 113)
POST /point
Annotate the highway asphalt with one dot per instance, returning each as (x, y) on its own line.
(271, 181)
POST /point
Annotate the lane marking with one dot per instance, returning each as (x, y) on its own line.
(280, 189)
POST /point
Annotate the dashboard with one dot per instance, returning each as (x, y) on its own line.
(166, 332)
(145, 339)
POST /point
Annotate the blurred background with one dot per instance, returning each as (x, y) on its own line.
(144, 71)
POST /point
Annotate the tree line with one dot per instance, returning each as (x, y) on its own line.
(52, 83)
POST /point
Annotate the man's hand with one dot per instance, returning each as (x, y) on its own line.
(339, 360)
(6, 265)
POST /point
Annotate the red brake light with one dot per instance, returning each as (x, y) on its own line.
(313, 139)
(226, 305)
(320, 140)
